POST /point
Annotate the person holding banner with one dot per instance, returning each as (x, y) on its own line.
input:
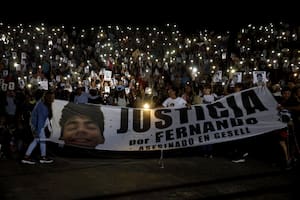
(82, 97)
(82, 125)
(41, 114)
(240, 147)
(174, 100)
(282, 135)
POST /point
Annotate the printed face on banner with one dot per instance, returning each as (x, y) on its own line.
(82, 125)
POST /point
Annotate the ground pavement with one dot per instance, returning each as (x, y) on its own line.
(174, 177)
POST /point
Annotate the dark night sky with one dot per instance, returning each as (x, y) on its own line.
(188, 14)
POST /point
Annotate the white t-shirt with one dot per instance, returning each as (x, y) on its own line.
(176, 103)
(209, 98)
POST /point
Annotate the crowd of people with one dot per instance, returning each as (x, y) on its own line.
(129, 66)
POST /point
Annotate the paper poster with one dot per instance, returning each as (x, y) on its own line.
(14, 54)
(18, 67)
(21, 83)
(23, 55)
(223, 56)
(11, 85)
(87, 70)
(86, 82)
(259, 77)
(236, 78)
(217, 77)
(4, 87)
(23, 62)
(43, 85)
(107, 89)
(5, 73)
(107, 75)
(57, 78)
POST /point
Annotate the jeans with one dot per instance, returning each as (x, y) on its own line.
(40, 139)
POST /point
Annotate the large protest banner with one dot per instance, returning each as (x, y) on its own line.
(240, 115)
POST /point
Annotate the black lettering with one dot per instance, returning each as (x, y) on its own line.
(166, 119)
(171, 145)
(208, 126)
(158, 136)
(246, 131)
(124, 121)
(222, 124)
(251, 102)
(242, 131)
(236, 122)
(213, 112)
(137, 118)
(232, 104)
(181, 132)
(217, 135)
(195, 129)
(206, 138)
(169, 135)
(236, 132)
(199, 113)
(223, 134)
(132, 142)
(183, 116)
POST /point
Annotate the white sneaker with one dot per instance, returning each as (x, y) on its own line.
(245, 155)
(46, 160)
(241, 160)
(28, 161)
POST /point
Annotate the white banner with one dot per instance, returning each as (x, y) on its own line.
(240, 115)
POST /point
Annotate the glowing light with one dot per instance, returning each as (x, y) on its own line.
(146, 106)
